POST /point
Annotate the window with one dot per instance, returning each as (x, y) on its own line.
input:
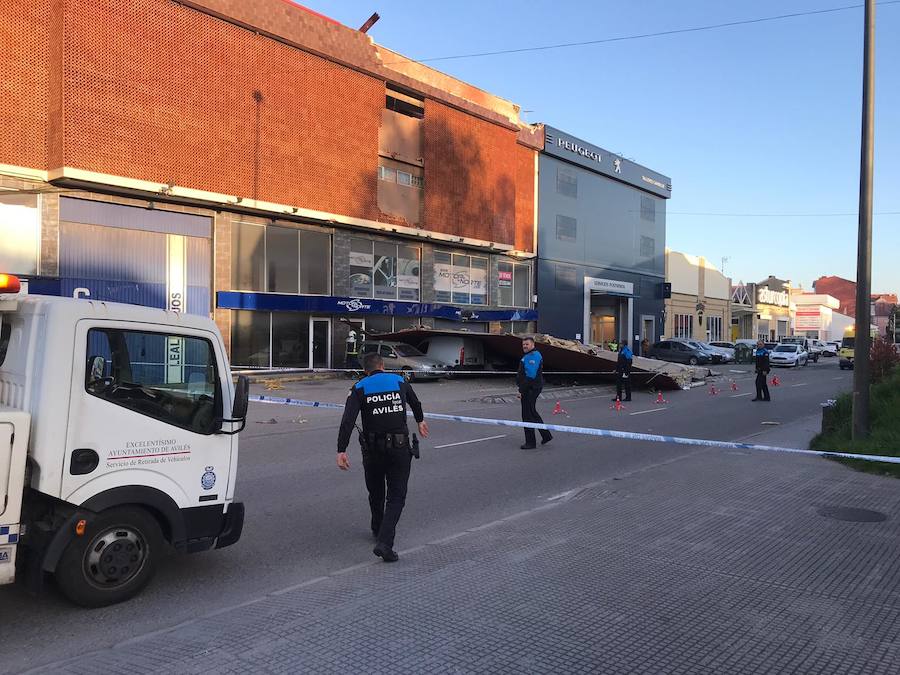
(280, 259)
(406, 178)
(250, 339)
(648, 209)
(20, 225)
(460, 279)
(566, 228)
(648, 247)
(684, 326)
(386, 351)
(713, 328)
(566, 182)
(514, 282)
(387, 174)
(384, 270)
(290, 340)
(172, 378)
(5, 333)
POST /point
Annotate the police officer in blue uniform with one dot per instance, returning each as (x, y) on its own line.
(623, 372)
(762, 370)
(530, 380)
(387, 453)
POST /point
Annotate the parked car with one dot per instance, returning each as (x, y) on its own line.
(403, 357)
(714, 355)
(723, 344)
(813, 352)
(828, 348)
(678, 351)
(788, 354)
(458, 352)
(726, 349)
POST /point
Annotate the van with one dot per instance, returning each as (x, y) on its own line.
(461, 353)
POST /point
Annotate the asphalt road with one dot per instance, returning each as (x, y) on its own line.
(306, 519)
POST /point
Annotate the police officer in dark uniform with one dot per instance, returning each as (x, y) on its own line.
(530, 380)
(762, 370)
(623, 372)
(387, 453)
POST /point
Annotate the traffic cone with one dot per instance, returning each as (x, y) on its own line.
(713, 391)
(734, 386)
(659, 398)
(617, 406)
(559, 410)
(775, 381)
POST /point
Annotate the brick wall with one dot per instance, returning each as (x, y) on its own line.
(470, 175)
(842, 289)
(525, 216)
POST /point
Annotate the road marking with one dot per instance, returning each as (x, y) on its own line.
(644, 412)
(749, 393)
(802, 384)
(474, 440)
(838, 378)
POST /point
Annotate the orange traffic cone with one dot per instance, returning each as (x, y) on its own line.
(617, 406)
(775, 381)
(659, 398)
(713, 391)
(734, 386)
(559, 410)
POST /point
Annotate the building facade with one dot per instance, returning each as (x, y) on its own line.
(762, 311)
(881, 304)
(700, 302)
(600, 240)
(261, 164)
(816, 316)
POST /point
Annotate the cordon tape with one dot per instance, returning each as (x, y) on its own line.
(589, 431)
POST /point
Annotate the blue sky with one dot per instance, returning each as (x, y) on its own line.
(758, 119)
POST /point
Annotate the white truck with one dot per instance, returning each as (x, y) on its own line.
(118, 441)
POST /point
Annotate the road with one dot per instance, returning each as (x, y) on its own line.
(306, 519)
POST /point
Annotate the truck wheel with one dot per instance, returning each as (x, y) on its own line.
(113, 560)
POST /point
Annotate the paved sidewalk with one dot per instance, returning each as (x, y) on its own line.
(716, 562)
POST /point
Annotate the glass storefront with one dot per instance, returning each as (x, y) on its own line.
(279, 340)
(20, 227)
(384, 270)
(275, 259)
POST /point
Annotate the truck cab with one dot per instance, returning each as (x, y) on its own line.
(118, 440)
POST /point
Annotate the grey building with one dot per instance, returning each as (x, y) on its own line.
(601, 243)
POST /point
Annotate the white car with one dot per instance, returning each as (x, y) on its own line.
(788, 355)
(726, 349)
(828, 348)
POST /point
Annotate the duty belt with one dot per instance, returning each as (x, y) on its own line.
(377, 441)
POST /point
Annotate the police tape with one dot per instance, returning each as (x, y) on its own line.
(590, 431)
(419, 371)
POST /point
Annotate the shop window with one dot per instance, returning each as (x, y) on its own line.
(250, 339)
(171, 378)
(566, 228)
(648, 247)
(460, 279)
(683, 326)
(384, 270)
(713, 328)
(290, 340)
(514, 282)
(315, 262)
(20, 225)
(282, 259)
(648, 209)
(566, 182)
(379, 325)
(248, 255)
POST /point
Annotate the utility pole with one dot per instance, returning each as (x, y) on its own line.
(861, 366)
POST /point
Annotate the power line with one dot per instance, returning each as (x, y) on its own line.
(641, 36)
(776, 215)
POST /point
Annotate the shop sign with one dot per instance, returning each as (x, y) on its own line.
(766, 296)
(609, 286)
(504, 279)
(579, 149)
(808, 319)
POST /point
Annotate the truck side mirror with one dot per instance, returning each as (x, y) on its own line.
(241, 398)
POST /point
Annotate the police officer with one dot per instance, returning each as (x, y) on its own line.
(762, 370)
(387, 454)
(623, 372)
(530, 380)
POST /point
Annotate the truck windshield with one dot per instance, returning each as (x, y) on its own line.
(848, 342)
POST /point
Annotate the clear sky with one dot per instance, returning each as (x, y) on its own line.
(754, 119)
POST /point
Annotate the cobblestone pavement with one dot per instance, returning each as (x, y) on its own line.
(716, 562)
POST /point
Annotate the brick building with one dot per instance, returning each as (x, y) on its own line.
(263, 164)
(882, 304)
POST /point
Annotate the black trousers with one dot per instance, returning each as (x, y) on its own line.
(762, 387)
(620, 380)
(530, 414)
(387, 475)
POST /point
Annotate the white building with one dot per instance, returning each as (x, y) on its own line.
(816, 316)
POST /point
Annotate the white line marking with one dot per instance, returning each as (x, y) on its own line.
(474, 440)
(644, 412)
(749, 393)
(802, 384)
(838, 378)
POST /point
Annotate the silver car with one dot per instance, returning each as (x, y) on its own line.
(399, 356)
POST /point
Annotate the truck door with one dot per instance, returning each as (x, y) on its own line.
(146, 408)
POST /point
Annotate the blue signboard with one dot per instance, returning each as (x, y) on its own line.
(326, 304)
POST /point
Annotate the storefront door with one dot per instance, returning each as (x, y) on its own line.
(321, 341)
(603, 329)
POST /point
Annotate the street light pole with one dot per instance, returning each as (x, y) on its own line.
(862, 346)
